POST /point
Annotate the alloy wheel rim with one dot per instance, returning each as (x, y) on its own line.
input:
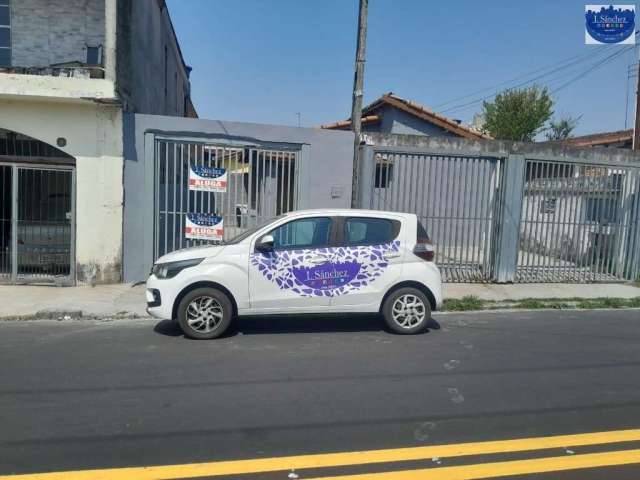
(408, 311)
(204, 314)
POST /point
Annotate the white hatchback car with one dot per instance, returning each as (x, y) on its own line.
(312, 261)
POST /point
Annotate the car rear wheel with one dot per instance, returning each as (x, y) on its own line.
(204, 313)
(407, 311)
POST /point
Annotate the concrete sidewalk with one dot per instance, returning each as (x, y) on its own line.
(117, 300)
(125, 300)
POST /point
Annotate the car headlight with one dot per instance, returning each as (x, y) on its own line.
(171, 269)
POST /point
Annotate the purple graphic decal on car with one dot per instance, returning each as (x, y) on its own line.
(347, 268)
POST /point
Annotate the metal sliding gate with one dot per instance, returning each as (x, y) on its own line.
(579, 223)
(513, 217)
(455, 198)
(36, 224)
(261, 184)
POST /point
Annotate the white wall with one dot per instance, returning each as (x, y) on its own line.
(94, 137)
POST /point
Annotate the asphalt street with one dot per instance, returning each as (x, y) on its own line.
(78, 395)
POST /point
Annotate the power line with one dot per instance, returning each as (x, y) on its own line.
(493, 94)
(597, 61)
(567, 63)
(592, 68)
(519, 77)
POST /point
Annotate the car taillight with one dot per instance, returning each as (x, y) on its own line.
(424, 249)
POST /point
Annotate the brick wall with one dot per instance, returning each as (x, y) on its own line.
(44, 32)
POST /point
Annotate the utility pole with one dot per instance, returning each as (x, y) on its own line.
(356, 106)
(636, 127)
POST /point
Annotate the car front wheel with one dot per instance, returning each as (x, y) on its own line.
(204, 313)
(407, 311)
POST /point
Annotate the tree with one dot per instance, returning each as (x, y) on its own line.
(561, 129)
(518, 114)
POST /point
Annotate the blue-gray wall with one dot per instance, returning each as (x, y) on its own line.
(398, 121)
(324, 170)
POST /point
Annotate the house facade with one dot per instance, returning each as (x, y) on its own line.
(617, 139)
(69, 70)
(393, 114)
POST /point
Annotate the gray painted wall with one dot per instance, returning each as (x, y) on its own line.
(144, 32)
(44, 32)
(325, 170)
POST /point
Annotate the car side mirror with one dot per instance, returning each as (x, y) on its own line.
(265, 244)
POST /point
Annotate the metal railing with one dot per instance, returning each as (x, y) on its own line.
(453, 196)
(262, 183)
(36, 224)
(504, 217)
(578, 223)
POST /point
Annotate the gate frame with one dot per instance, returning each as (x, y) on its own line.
(152, 136)
(14, 278)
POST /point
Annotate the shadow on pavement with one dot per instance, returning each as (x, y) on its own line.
(296, 324)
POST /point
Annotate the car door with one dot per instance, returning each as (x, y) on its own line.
(293, 275)
(373, 246)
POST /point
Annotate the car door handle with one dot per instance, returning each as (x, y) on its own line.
(389, 256)
(318, 260)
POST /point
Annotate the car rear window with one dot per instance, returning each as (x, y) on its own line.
(422, 232)
(370, 231)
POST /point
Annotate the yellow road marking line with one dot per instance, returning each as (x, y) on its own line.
(503, 469)
(298, 462)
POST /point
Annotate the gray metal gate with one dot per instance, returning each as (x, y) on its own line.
(262, 183)
(513, 217)
(579, 222)
(36, 224)
(455, 198)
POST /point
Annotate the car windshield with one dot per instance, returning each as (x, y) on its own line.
(251, 231)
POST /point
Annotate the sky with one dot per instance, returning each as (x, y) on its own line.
(265, 61)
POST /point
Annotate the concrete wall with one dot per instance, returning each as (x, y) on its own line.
(44, 32)
(39, 87)
(93, 133)
(324, 170)
(145, 84)
(499, 148)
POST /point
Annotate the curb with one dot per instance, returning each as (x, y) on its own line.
(73, 315)
(516, 310)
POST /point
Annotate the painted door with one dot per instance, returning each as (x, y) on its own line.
(372, 249)
(297, 274)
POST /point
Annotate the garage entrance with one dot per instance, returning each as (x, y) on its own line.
(36, 212)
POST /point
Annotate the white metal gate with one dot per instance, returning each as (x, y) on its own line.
(261, 184)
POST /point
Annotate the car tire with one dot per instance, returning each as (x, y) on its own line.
(406, 311)
(205, 313)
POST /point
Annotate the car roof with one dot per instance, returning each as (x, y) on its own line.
(349, 211)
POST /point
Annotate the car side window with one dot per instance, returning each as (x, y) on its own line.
(369, 231)
(302, 233)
